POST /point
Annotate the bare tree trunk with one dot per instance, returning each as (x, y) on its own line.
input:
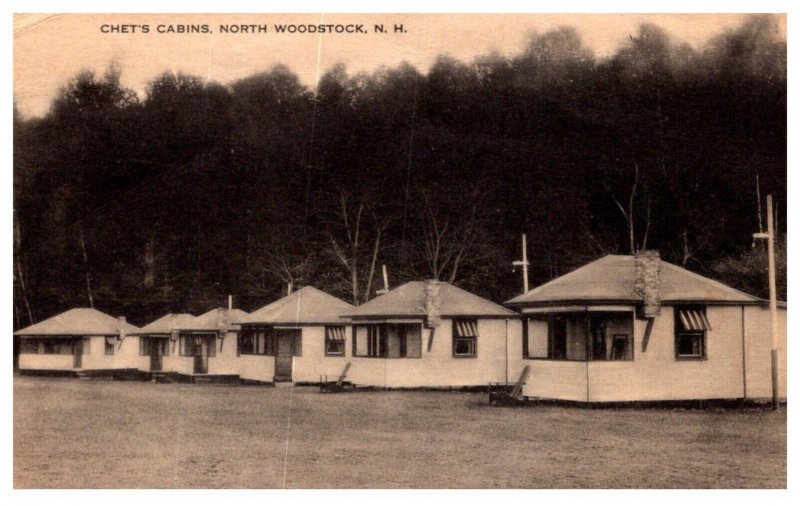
(24, 291)
(628, 214)
(631, 229)
(456, 262)
(149, 261)
(758, 206)
(686, 253)
(18, 244)
(354, 263)
(371, 275)
(647, 226)
(660, 136)
(86, 268)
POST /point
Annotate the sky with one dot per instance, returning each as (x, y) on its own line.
(50, 49)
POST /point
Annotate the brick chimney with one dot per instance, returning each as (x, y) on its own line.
(432, 303)
(647, 282)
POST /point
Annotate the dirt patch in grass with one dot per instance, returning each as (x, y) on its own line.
(72, 433)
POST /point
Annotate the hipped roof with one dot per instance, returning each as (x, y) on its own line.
(408, 300)
(209, 321)
(308, 305)
(611, 279)
(81, 321)
(167, 323)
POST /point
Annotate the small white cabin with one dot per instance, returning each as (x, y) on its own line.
(297, 338)
(431, 334)
(159, 340)
(204, 346)
(626, 328)
(78, 340)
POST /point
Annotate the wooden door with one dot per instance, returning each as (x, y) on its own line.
(156, 362)
(77, 353)
(200, 355)
(284, 352)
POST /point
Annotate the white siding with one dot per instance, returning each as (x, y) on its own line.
(759, 346)
(556, 379)
(126, 356)
(658, 375)
(225, 362)
(438, 367)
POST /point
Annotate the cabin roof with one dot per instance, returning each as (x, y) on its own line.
(209, 321)
(167, 323)
(308, 305)
(79, 321)
(408, 300)
(611, 279)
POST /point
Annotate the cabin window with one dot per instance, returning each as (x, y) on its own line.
(611, 336)
(334, 340)
(148, 345)
(57, 347)
(592, 336)
(403, 340)
(257, 341)
(193, 344)
(535, 338)
(29, 346)
(557, 338)
(370, 341)
(465, 338)
(110, 345)
(691, 324)
(185, 346)
(388, 340)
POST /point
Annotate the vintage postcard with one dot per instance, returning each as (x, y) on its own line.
(400, 251)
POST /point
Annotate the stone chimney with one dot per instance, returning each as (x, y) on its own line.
(173, 332)
(222, 322)
(647, 282)
(121, 320)
(432, 303)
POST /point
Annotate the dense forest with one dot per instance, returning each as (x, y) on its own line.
(194, 190)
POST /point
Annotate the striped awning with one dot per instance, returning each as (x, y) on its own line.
(334, 333)
(466, 328)
(694, 320)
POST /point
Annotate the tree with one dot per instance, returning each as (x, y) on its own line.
(356, 233)
(453, 230)
(747, 270)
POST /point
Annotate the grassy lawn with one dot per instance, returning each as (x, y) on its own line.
(72, 433)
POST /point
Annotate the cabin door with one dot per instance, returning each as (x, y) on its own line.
(156, 360)
(283, 354)
(200, 355)
(77, 353)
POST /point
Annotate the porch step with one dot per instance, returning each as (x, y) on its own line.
(284, 384)
(214, 378)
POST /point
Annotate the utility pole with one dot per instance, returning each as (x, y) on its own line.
(524, 264)
(773, 298)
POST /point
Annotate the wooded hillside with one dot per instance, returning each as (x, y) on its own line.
(196, 190)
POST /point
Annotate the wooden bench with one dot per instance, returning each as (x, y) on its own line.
(327, 386)
(509, 394)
